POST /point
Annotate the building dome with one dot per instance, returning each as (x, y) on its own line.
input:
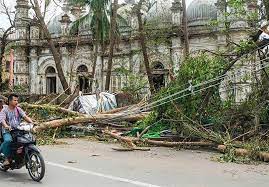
(55, 26)
(201, 12)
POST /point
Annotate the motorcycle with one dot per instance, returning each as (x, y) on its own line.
(24, 153)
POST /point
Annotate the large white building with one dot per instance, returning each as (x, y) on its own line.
(34, 64)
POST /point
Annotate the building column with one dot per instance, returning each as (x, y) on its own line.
(176, 53)
(33, 80)
(21, 61)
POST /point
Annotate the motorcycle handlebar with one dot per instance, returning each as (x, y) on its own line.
(27, 128)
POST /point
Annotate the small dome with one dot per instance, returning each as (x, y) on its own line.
(54, 26)
(124, 20)
(201, 12)
(160, 13)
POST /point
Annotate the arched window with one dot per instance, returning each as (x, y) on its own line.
(158, 65)
(158, 75)
(50, 70)
(50, 80)
(82, 69)
(83, 78)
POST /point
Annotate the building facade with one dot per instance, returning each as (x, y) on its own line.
(35, 68)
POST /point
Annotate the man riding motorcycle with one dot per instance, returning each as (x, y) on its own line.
(6, 136)
(13, 118)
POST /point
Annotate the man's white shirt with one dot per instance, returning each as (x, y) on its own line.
(264, 36)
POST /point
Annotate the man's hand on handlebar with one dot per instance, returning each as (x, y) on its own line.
(8, 128)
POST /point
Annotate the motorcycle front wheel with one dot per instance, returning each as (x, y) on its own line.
(36, 166)
(2, 167)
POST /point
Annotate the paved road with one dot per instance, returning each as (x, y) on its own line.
(83, 163)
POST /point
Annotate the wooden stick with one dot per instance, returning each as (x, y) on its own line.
(116, 110)
(54, 133)
(144, 131)
(126, 140)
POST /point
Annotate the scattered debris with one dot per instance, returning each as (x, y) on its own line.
(72, 162)
(92, 104)
(263, 156)
(94, 155)
(100, 118)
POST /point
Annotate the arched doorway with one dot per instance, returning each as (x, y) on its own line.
(158, 74)
(51, 80)
(83, 79)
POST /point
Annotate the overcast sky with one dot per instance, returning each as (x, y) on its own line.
(11, 4)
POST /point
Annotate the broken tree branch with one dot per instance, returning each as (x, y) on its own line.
(126, 140)
(50, 107)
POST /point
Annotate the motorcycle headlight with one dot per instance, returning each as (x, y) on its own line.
(22, 140)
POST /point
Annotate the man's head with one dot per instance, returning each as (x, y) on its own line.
(264, 25)
(1, 103)
(13, 100)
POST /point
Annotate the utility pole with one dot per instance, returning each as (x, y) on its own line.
(11, 70)
(185, 29)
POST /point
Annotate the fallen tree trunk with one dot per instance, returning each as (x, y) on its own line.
(130, 141)
(62, 122)
(174, 144)
(263, 156)
(86, 119)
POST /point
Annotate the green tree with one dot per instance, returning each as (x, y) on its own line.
(142, 40)
(112, 36)
(99, 24)
(266, 6)
(231, 12)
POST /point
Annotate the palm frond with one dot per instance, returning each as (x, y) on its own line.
(47, 3)
(76, 24)
(121, 20)
(99, 19)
